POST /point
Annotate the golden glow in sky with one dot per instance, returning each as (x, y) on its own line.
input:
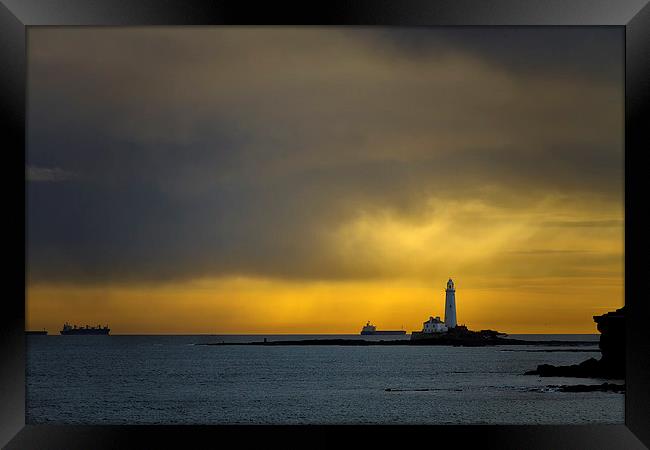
(289, 180)
(521, 273)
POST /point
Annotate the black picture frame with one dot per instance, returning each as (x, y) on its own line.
(17, 15)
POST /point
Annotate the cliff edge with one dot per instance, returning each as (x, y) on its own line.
(611, 365)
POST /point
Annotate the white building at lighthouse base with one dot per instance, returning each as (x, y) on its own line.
(434, 325)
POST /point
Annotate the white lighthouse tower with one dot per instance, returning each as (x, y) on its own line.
(450, 305)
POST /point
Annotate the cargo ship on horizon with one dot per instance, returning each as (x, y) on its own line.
(370, 329)
(71, 330)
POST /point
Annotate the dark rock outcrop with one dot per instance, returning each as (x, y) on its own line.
(612, 342)
(475, 340)
(586, 369)
(605, 387)
(611, 365)
(461, 335)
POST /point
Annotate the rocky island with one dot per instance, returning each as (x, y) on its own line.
(434, 332)
(459, 336)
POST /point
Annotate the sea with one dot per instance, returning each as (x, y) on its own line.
(144, 379)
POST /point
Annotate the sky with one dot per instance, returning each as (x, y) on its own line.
(305, 180)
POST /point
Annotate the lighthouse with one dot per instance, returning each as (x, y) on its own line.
(450, 305)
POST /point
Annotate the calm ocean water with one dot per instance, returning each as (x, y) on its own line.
(169, 380)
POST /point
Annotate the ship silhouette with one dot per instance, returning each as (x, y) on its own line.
(68, 330)
(370, 329)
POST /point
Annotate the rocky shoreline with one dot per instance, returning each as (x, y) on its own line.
(459, 336)
(611, 365)
(449, 341)
(604, 387)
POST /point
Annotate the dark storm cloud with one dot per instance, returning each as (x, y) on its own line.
(202, 152)
(596, 54)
